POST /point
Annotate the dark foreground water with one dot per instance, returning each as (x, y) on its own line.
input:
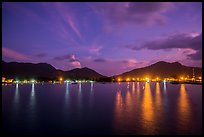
(112, 108)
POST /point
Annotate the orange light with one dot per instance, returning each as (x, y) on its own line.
(119, 79)
(128, 79)
(60, 78)
(133, 78)
(147, 79)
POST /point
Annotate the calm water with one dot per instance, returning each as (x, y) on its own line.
(112, 108)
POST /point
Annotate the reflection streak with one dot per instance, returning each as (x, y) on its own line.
(31, 113)
(119, 112)
(183, 109)
(165, 87)
(91, 96)
(147, 110)
(138, 87)
(125, 113)
(32, 98)
(133, 86)
(158, 98)
(158, 106)
(66, 95)
(16, 100)
(16, 96)
(79, 99)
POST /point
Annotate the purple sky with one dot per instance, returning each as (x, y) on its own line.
(110, 38)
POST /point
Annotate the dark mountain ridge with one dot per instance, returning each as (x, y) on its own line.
(163, 69)
(160, 69)
(44, 70)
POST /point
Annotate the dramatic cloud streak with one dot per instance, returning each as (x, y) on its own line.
(65, 14)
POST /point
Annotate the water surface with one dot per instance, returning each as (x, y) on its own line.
(96, 108)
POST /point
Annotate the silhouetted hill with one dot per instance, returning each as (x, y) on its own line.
(44, 70)
(15, 69)
(162, 69)
(83, 73)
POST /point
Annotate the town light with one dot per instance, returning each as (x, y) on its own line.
(32, 81)
(147, 79)
(60, 78)
(133, 78)
(164, 81)
(128, 79)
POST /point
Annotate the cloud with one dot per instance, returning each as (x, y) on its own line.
(11, 54)
(99, 60)
(182, 41)
(65, 14)
(130, 63)
(58, 21)
(196, 56)
(142, 13)
(76, 64)
(70, 58)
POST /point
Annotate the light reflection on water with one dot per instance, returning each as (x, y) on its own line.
(67, 91)
(158, 109)
(16, 103)
(32, 98)
(16, 96)
(158, 100)
(118, 112)
(79, 100)
(131, 108)
(147, 110)
(31, 113)
(66, 98)
(184, 112)
(91, 96)
(144, 110)
(165, 87)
